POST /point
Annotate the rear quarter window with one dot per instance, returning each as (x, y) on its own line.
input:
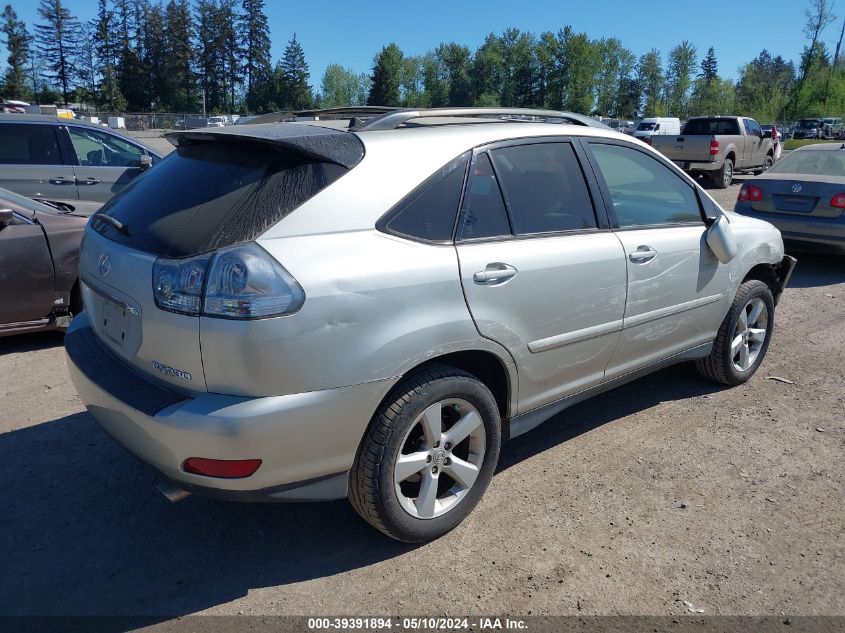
(25, 144)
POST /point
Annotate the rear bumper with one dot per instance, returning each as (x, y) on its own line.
(826, 234)
(306, 441)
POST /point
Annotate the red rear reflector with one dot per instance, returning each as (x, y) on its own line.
(838, 201)
(750, 193)
(225, 468)
(714, 148)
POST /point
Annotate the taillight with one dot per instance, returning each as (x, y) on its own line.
(239, 282)
(838, 201)
(714, 147)
(223, 468)
(750, 193)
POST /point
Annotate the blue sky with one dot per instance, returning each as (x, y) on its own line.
(352, 33)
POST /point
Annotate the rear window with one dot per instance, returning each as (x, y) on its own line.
(711, 127)
(812, 162)
(205, 196)
(646, 127)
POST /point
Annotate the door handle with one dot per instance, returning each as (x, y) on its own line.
(61, 180)
(642, 255)
(90, 181)
(494, 273)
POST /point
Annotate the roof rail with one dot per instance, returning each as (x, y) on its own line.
(350, 112)
(392, 120)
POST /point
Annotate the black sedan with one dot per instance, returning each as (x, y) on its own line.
(804, 196)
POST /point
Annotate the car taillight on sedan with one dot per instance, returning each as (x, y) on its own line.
(238, 282)
(749, 193)
(838, 201)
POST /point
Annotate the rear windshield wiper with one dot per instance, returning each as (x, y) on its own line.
(120, 226)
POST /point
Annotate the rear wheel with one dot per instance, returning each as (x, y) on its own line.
(743, 337)
(723, 178)
(428, 455)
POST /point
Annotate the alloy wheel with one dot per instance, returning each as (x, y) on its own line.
(749, 334)
(440, 458)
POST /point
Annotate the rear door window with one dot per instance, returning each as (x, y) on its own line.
(544, 188)
(484, 214)
(29, 144)
(207, 195)
(99, 149)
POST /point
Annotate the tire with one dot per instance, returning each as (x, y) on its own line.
(723, 178)
(437, 396)
(728, 363)
(767, 165)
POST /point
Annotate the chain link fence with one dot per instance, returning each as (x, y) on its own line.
(142, 121)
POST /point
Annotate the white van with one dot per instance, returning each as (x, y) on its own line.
(654, 126)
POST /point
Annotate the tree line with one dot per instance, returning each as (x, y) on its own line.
(181, 56)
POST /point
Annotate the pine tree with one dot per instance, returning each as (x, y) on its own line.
(386, 77)
(58, 42)
(709, 67)
(255, 42)
(294, 91)
(179, 76)
(106, 52)
(16, 40)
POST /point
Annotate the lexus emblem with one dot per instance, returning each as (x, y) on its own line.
(796, 188)
(104, 264)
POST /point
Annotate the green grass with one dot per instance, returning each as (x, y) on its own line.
(795, 144)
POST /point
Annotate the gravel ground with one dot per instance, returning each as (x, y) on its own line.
(667, 490)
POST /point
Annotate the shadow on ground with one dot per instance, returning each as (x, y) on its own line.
(815, 270)
(30, 342)
(83, 531)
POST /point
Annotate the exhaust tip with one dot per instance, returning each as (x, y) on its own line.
(171, 492)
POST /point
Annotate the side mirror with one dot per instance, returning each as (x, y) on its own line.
(6, 217)
(720, 238)
(145, 162)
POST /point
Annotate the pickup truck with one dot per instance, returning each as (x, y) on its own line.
(718, 147)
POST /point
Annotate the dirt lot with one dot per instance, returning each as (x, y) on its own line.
(670, 489)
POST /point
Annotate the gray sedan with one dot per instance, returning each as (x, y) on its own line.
(804, 196)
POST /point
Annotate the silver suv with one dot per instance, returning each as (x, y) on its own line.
(305, 311)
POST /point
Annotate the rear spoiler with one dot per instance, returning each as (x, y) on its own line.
(318, 144)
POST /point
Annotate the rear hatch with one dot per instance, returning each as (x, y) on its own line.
(215, 190)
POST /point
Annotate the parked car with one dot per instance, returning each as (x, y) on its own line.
(39, 258)
(718, 147)
(657, 126)
(50, 157)
(370, 312)
(804, 196)
(807, 129)
(831, 127)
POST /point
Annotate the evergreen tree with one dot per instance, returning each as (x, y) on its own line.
(386, 77)
(16, 41)
(58, 42)
(255, 36)
(709, 67)
(179, 75)
(295, 93)
(209, 55)
(106, 52)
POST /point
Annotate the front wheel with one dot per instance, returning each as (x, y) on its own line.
(743, 337)
(428, 455)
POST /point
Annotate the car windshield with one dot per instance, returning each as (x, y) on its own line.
(808, 125)
(711, 126)
(812, 162)
(646, 127)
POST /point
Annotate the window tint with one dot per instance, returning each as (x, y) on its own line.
(544, 188)
(429, 211)
(98, 149)
(711, 126)
(644, 191)
(209, 195)
(484, 213)
(23, 144)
